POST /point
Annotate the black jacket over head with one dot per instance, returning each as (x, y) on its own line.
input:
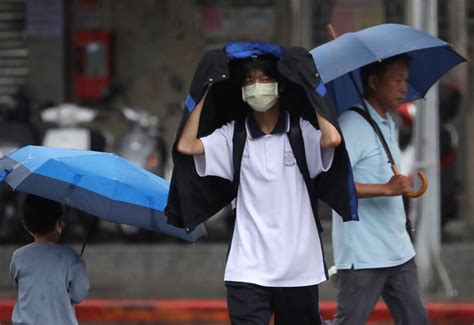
(193, 199)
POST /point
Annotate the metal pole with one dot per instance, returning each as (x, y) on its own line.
(458, 36)
(424, 15)
(301, 33)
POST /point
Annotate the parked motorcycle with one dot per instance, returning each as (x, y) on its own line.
(142, 144)
(69, 130)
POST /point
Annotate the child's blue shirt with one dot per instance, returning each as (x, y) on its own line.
(49, 279)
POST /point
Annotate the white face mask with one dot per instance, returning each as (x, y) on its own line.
(260, 96)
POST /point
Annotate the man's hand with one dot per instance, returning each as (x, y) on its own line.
(398, 185)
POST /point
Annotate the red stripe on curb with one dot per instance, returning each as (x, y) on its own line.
(152, 310)
(6, 308)
(216, 310)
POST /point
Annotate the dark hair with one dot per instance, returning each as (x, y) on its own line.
(378, 68)
(240, 69)
(40, 215)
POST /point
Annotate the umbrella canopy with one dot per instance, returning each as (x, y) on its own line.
(102, 184)
(337, 59)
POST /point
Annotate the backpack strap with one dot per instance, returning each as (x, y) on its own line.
(238, 144)
(295, 137)
(366, 115)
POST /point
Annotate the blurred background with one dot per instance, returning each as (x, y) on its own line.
(113, 75)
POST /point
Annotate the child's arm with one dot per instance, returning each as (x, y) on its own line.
(78, 282)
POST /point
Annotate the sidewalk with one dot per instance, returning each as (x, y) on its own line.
(185, 271)
(183, 284)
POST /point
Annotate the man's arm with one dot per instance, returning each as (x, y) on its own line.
(330, 137)
(397, 185)
(188, 143)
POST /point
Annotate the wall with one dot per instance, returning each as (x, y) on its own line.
(46, 43)
(156, 47)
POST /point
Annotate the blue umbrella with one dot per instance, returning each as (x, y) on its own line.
(102, 184)
(345, 55)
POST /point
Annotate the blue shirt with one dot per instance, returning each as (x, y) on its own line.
(49, 279)
(380, 238)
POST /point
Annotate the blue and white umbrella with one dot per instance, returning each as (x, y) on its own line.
(102, 184)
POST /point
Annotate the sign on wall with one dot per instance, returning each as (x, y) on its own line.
(44, 18)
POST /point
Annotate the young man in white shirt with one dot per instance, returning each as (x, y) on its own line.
(275, 260)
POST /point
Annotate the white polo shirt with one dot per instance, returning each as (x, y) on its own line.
(275, 242)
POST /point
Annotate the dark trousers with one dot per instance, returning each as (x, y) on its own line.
(359, 291)
(251, 304)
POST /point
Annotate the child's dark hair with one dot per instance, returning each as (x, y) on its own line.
(240, 69)
(378, 68)
(40, 215)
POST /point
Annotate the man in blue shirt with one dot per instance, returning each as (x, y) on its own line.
(375, 257)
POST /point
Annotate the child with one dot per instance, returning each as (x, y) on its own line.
(48, 277)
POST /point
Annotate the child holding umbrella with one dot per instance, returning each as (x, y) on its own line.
(48, 277)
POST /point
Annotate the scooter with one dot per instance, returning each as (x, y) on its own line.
(142, 144)
(69, 130)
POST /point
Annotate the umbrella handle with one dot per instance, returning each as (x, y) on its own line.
(331, 31)
(91, 221)
(424, 183)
